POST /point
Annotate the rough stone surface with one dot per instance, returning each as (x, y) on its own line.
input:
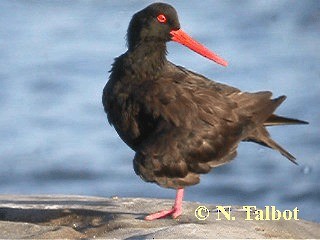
(44, 217)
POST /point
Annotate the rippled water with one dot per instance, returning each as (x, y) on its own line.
(54, 62)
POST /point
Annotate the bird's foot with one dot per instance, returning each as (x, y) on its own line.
(174, 212)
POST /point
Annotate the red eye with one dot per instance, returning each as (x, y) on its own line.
(162, 18)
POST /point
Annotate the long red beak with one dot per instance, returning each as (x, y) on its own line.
(184, 39)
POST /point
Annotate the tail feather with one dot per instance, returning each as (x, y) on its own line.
(262, 137)
(275, 120)
(260, 134)
(272, 144)
(262, 106)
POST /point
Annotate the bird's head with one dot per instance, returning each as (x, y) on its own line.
(159, 23)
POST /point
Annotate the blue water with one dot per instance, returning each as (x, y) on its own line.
(54, 62)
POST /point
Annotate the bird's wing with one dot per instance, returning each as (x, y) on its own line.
(184, 99)
(187, 99)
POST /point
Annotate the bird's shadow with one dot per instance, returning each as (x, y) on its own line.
(91, 218)
(81, 219)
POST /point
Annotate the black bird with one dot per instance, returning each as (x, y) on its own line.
(180, 123)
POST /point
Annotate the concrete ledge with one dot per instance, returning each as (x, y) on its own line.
(94, 217)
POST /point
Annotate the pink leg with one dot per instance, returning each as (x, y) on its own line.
(176, 210)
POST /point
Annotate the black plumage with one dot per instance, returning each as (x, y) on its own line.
(179, 123)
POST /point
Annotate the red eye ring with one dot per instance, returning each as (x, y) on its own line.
(162, 18)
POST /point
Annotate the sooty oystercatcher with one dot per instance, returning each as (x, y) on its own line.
(179, 123)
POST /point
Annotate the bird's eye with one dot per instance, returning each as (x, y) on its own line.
(162, 18)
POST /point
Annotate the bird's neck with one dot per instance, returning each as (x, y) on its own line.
(148, 59)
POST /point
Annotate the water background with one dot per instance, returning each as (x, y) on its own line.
(54, 62)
